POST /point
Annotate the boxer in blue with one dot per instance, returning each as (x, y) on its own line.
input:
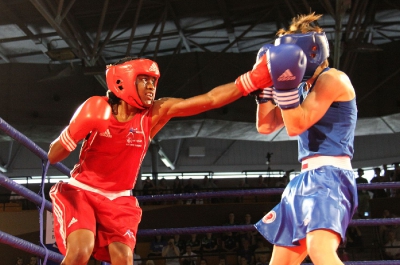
(318, 204)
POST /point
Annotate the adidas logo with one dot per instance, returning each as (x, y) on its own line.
(106, 134)
(130, 234)
(73, 221)
(154, 68)
(287, 76)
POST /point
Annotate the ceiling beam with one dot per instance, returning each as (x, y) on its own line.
(228, 25)
(178, 27)
(160, 34)
(100, 28)
(70, 35)
(25, 38)
(148, 39)
(60, 16)
(111, 31)
(133, 30)
(22, 25)
(4, 57)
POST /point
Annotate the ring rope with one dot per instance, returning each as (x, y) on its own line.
(21, 190)
(38, 200)
(28, 247)
(249, 228)
(247, 192)
(32, 146)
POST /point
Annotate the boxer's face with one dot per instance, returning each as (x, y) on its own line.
(146, 89)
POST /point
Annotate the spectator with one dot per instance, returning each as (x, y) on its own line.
(208, 243)
(137, 259)
(247, 221)
(250, 237)
(383, 229)
(171, 253)
(263, 259)
(378, 193)
(203, 262)
(242, 185)
(395, 177)
(392, 247)
(260, 183)
(20, 261)
(163, 187)
(229, 243)
(190, 187)
(261, 249)
(243, 261)
(208, 185)
(194, 242)
(222, 260)
(177, 188)
(284, 180)
(396, 173)
(150, 262)
(156, 246)
(354, 239)
(245, 252)
(148, 186)
(231, 219)
(189, 258)
(33, 260)
(180, 243)
(363, 195)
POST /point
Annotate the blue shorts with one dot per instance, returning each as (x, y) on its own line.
(322, 198)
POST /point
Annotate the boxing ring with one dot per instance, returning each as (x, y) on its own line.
(44, 205)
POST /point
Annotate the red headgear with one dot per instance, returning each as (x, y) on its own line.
(121, 79)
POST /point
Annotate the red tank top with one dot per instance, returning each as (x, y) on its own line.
(111, 160)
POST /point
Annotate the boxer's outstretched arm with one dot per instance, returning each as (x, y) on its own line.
(165, 109)
(215, 98)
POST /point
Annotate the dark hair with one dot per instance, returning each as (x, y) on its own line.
(125, 59)
(112, 98)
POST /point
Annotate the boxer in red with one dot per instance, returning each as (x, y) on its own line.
(95, 214)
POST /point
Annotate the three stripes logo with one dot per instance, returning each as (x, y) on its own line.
(153, 68)
(286, 76)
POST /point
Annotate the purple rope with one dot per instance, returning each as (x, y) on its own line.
(28, 247)
(45, 165)
(21, 190)
(248, 192)
(28, 143)
(248, 228)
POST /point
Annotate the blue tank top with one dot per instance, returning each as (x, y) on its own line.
(333, 134)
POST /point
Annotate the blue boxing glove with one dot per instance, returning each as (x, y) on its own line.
(263, 50)
(263, 95)
(287, 65)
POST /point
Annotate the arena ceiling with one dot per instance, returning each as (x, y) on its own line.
(53, 55)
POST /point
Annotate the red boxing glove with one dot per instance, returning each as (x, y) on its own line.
(93, 114)
(255, 79)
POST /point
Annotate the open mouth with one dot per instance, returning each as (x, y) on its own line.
(149, 96)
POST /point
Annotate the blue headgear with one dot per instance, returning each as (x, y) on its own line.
(315, 46)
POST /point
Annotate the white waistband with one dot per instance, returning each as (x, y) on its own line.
(319, 161)
(109, 194)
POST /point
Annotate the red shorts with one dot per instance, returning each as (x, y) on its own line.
(110, 220)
